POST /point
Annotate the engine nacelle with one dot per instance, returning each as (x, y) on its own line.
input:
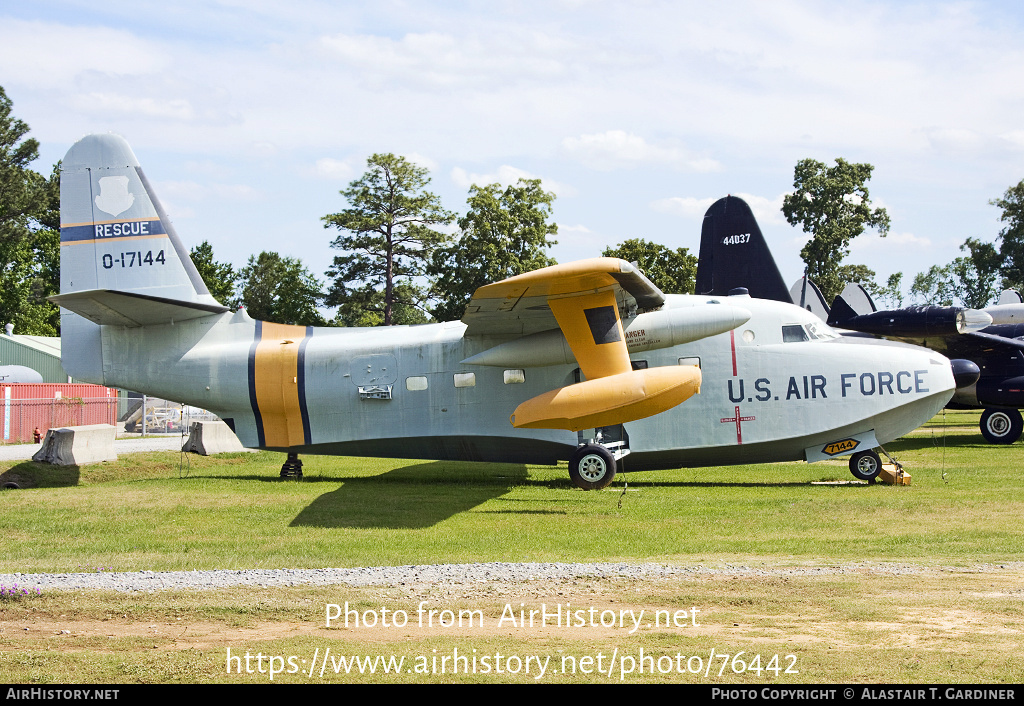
(645, 332)
(918, 321)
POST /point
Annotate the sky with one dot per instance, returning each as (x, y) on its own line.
(249, 116)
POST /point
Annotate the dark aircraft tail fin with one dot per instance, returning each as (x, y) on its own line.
(854, 301)
(733, 253)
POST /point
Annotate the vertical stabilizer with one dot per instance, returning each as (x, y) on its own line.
(114, 234)
(806, 295)
(733, 253)
(120, 261)
(853, 302)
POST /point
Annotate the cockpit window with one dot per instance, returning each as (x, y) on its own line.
(820, 331)
(794, 333)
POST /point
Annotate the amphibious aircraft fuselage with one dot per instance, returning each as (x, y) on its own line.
(775, 389)
(585, 361)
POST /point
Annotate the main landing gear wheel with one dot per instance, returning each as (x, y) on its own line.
(592, 467)
(865, 465)
(1001, 426)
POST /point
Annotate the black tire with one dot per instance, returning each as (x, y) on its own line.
(592, 467)
(865, 465)
(1001, 426)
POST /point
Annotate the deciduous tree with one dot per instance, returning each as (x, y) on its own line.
(831, 204)
(673, 271)
(504, 233)
(975, 276)
(220, 277)
(934, 286)
(29, 231)
(281, 290)
(1011, 237)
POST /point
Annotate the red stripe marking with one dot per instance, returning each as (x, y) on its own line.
(732, 344)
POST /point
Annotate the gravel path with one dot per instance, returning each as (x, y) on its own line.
(444, 574)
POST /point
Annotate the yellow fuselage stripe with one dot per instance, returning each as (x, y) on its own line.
(277, 384)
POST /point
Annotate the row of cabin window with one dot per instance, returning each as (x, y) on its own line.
(513, 377)
(419, 382)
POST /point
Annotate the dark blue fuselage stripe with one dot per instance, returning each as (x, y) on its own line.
(252, 383)
(112, 231)
(301, 379)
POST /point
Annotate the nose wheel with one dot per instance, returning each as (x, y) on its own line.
(866, 465)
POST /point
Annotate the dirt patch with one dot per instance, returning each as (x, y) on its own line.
(936, 610)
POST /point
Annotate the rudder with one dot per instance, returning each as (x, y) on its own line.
(733, 253)
(121, 261)
(114, 233)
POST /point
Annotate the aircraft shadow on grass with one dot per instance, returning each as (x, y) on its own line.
(418, 496)
(411, 497)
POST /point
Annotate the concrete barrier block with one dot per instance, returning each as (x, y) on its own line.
(77, 446)
(206, 438)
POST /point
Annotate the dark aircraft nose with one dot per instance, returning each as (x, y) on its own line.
(965, 372)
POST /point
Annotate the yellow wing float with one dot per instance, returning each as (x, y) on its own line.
(586, 300)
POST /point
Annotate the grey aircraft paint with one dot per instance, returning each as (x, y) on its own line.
(780, 386)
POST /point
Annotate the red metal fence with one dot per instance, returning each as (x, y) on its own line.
(26, 409)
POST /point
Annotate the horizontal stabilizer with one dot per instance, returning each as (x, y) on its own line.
(112, 308)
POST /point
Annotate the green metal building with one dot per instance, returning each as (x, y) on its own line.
(41, 353)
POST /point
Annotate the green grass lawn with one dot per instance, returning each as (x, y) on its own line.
(148, 511)
(956, 616)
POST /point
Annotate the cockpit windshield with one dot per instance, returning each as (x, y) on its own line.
(811, 331)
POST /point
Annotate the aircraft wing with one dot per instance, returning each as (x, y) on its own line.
(519, 305)
(984, 341)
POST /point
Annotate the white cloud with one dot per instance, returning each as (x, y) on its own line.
(421, 160)
(580, 229)
(334, 169)
(893, 242)
(765, 210)
(112, 104)
(685, 206)
(507, 175)
(47, 55)
(193, 192)
(441, 59)
(616, 149)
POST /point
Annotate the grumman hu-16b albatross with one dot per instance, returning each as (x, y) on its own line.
(586, 361)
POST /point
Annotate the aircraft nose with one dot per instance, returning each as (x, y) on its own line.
(965, 372)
